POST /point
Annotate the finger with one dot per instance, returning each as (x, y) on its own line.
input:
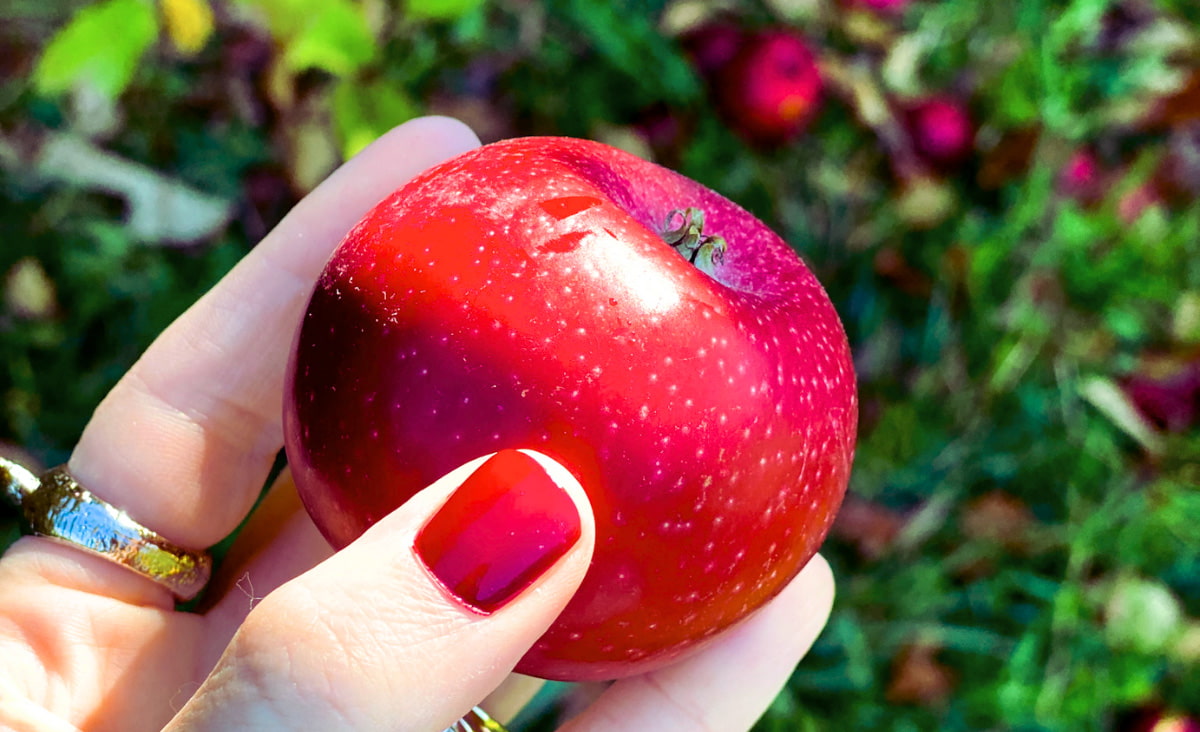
(508, 699)
(412, 624)
(729, 684)
(153, 444)
(278, 543)
(186, 438)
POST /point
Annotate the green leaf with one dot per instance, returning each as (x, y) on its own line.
(330, 35)
(1018, 94)
(630, 42)
(363, 112)
(100, 46)
(440, 9)
(335, 39)
(283, 18)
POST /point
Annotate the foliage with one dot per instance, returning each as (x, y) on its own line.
(1019, 549)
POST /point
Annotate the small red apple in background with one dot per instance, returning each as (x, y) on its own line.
(665, 130)
(941, 130)
(712, 45)
(522, 295)
(772, 88)
(1082, 177)
(1167, 393)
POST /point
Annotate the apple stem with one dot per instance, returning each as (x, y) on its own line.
(684, 231)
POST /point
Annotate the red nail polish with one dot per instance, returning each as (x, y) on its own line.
(498, 532)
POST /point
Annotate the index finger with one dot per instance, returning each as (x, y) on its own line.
(185, 440)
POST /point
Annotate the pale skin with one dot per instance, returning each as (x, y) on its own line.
(291, 636)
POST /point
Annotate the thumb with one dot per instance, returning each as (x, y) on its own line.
(420, 618)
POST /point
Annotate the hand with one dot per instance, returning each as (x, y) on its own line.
(290, 636)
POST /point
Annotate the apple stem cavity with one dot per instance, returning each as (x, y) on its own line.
(684, 231)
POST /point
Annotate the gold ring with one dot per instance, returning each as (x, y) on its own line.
(477, 720)
(57, 507)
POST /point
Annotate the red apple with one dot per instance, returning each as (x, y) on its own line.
(771, 90)
(523, 295)
(941, 129)
(1082, 177)
(712, 45)
(1168, 396)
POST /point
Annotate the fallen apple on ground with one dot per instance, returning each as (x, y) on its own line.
(711, 46)
(770, 91)
(941, 129)
(524, 294)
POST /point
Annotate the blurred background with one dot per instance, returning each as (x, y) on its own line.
(1000, 198)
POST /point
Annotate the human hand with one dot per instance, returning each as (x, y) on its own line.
(290, 636)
